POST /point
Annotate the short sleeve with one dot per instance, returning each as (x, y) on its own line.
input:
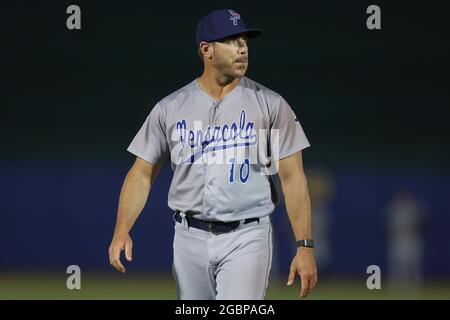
(287, 136)
(150, 142)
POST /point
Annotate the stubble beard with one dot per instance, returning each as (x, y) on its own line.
(226, 69)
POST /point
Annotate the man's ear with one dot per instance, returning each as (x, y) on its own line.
(206, 49)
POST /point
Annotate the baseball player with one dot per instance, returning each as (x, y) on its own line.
(229, 141)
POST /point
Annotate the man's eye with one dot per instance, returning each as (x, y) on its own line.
(234, 42)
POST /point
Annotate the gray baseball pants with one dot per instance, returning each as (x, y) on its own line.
(232, 265)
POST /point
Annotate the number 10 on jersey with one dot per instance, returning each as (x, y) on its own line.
(244, 170)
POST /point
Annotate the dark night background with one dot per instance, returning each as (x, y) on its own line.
(373, 103)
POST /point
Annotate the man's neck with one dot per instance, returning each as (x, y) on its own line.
(217, 87)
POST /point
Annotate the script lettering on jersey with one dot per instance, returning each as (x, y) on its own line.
(214, 138)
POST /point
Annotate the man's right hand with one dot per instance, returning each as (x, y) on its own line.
(120, 242)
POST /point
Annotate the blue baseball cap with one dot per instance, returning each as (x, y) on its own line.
(222, 24)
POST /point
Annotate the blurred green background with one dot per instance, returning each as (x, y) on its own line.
(161, 287)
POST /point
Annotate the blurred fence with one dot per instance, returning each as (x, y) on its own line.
(56, 215)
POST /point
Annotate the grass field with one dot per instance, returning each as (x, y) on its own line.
(162, 287)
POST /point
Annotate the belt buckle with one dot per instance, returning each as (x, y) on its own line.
(210, 226)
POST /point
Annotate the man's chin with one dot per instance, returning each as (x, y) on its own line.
(240, 73)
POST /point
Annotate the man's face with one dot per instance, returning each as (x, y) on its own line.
(230, 56)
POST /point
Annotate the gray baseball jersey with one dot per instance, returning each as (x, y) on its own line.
(222, 151)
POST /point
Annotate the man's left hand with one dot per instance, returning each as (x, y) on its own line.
(305, 265)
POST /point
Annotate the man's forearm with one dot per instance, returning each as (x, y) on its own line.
(133, 197)
(298, 206)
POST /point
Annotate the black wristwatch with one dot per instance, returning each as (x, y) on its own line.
(308, 243)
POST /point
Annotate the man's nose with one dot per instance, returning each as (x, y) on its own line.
(243, 49)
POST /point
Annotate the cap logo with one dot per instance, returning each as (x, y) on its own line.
(234, 17)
